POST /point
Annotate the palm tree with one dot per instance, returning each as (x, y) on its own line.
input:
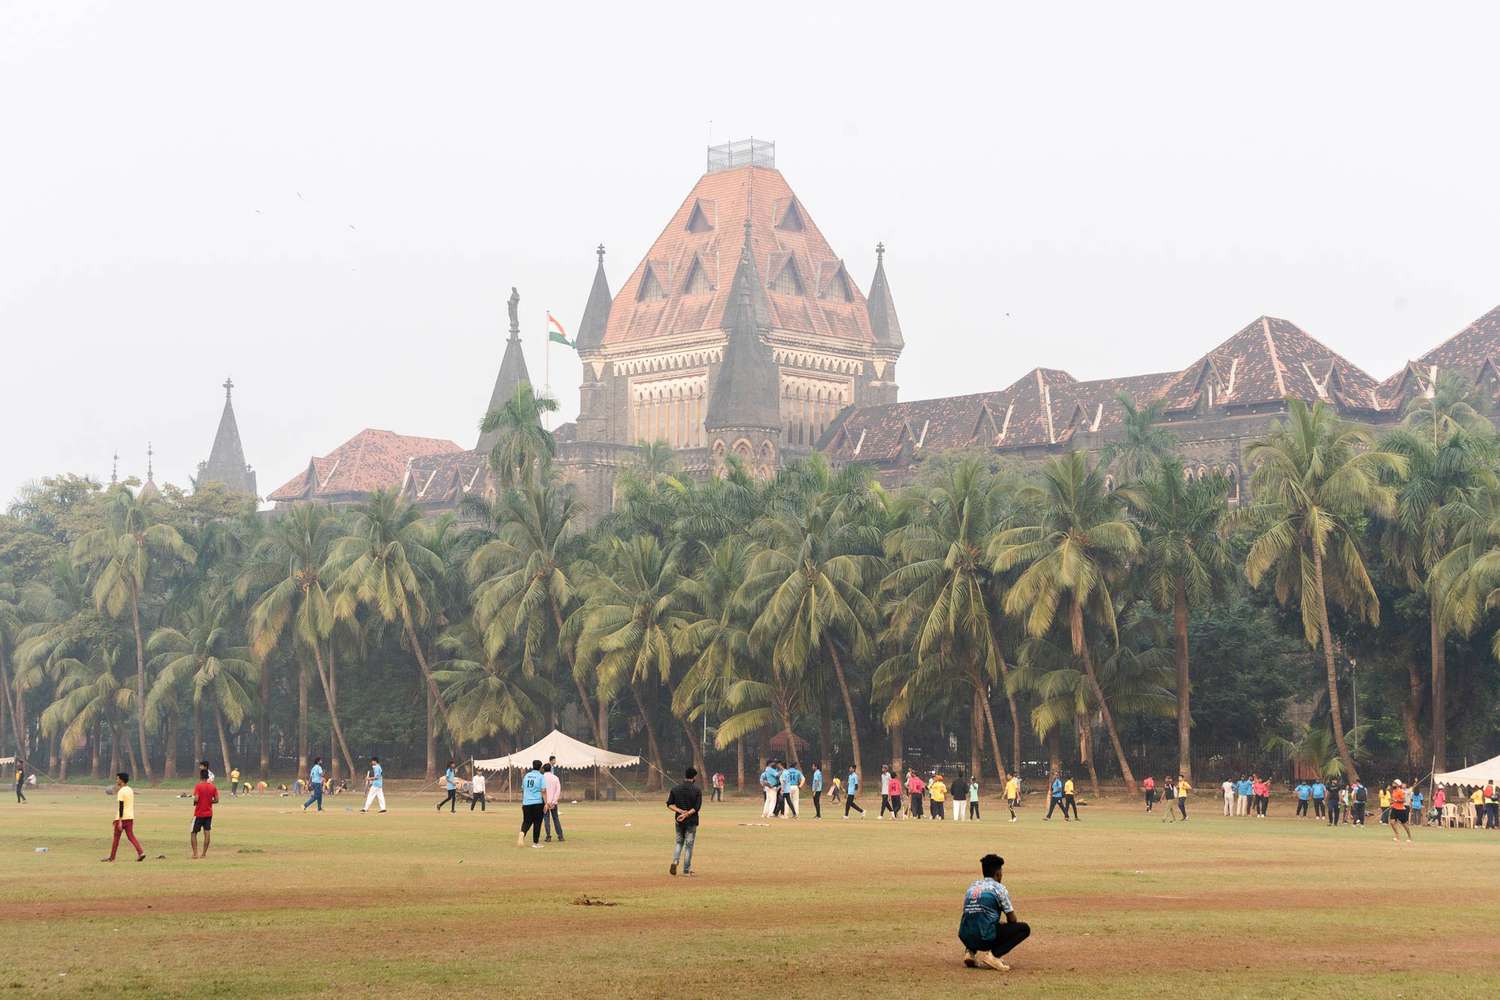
(91, 691)
(1184, 563)
(717, 643)
(1142, 446)
(941, 592)
(1078, 541)
(525, 448)
(521, 586)
(806, 585)
(202, 656)
(1314, 478)
(488, 695)
(1450, 453)
(628, 622)
(1318, 749)
(287, 574)
(123, 554)
(384, 564)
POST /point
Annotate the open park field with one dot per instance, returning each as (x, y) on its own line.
(414, 903)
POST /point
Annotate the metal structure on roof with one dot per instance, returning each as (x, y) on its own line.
(750, 152)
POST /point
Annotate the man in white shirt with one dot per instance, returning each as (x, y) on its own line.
(476, 790)
(551, 793)
(1228, 788)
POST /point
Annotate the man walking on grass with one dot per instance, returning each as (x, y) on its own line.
(817, 790)
(476, 790)
(533, 805)
(450, 786)
(985, 938)
(20, 781)
(125, 818)
(315, 785)
(685, 801)
(375, 779)
(551, 794)
(204, 797)
(1070, 801)
(770, 786)
(1056, 798)
(851, 789)
(791, 789)
(1400, 811)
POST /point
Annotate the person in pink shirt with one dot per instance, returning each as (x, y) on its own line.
(894, 788)
(551, 793)
(915, 786)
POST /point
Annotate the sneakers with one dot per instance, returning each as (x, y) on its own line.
(672, 870)
(969, 960)
(989, 961)
(688, 873)
(537, 846)
(140, 857)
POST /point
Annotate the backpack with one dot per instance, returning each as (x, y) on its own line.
(1359, 794)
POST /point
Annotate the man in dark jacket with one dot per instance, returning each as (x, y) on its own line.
(685, 801)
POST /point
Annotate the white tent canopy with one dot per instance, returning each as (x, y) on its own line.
(570, 753)
(6, 760)
(1475, 775)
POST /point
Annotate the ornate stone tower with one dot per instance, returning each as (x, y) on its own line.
(744, 402)
(886, 328)
(226, 460)
(512, 372)
(593, 400)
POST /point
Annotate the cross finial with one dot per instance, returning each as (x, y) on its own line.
(114, 470)
(228, 386)
(149, 453)
(600, 251)
(880, 250)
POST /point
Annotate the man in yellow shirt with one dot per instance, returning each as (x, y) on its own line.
(125, 817)
(1012, 794)
(1070, 803)
(234, 781)
(938, 792)
(1182, 793)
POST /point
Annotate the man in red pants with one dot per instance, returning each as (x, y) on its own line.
(124, 817)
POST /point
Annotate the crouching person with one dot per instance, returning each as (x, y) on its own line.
(985, 935)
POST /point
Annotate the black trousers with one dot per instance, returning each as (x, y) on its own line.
(20, 795)
(1358, 814)
(818, 803)
(895, 805)
(478, 800)
(1007, 936)
(1052, 804)
(1150, 799)
(938, 809)
(849, 803)
(1333, 812)
(451, 801)
(885, 805)
(1181, 805)
(916, 805)
(1301, 807)
(780, 804)
(974, 809)
(717, 795)
(1070, 805)
(531, 819)
(1317, 807)
(1262, 803)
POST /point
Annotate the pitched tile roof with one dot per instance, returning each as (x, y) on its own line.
(369, 461)
(830, 304)
(1465, 352)
(445, 478)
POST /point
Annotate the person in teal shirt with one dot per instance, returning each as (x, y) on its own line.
(791, 788)
(450, 783)
(1319, 793)
(770, 786)
(315, 783)
(1304, 793)
(532, 805)
(851, 789)
(817, 787)
(376, 781)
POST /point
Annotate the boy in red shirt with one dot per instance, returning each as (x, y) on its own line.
(204, 797)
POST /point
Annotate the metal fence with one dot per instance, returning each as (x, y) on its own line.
(750, 152)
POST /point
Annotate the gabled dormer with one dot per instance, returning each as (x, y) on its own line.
(786, 278)
(698, 221)
(697, 281)
(791, 220)
(652, 289)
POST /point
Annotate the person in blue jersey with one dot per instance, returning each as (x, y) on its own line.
(791, 788)
(315, 785)
(780, 810)
(1304, 795)
(1056, 799)
(851, 789)
(533, 804)
(450, 785)
(1319, 796)
(375, 779)
(770, 786)
(989, 928)
(817, 790)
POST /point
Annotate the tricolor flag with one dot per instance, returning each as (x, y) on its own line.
(556, 334)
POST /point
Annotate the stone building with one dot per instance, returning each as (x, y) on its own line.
(226, 463)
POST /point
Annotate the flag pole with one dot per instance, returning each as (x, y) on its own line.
(546, 360)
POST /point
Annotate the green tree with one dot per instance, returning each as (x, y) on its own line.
(1078, 541)
(1143, 445)
(123, 553)
(1315, 479)
(202, 656)
(488, 694)
(525, 448)
(1184, 563)
(716, 643)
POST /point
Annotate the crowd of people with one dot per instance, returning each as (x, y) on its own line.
(911, 797)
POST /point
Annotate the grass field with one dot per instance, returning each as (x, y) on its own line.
(292, 905)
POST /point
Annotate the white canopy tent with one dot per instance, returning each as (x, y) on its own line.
(1478, 774)
(571, 754)
(6, 761)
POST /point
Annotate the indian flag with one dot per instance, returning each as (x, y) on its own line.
(556, 334)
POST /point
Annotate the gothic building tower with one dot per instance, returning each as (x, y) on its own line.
(744, 405)
(226, 460)
(512, 373)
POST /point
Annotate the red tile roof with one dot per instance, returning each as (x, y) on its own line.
(725, 198)
(369, 461)
(1465, 352)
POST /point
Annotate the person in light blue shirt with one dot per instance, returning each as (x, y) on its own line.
(376, 781)
(791, 788)
(1319, 793)
(770, 787)
(851, 789)
(1243, 791)
(989, 928)
(1304, 794)
(1055, 800)
(817, 789)
(450, 784)
(533, 805)
(315, 784)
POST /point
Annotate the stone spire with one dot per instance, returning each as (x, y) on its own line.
(596, 312)
(226, 459)
(512, 373)
(149, 490)
(883, 321)
(746, 392)
(114, 470)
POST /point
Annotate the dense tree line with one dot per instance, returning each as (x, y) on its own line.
(1116, 615)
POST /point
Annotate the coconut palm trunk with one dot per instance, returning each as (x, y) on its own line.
(331, 697)
(1438, 642)
(1086, 751)
(1184, 691)
(697, 746)
(223, 741)
(989, 719)
(1411, 714)
(140, 681)
(1351, 773)
(1015, 717)
(1081, 649)
(15, 706)
(653, 779)
(838, 672)
(976, 730)
(600, 723)
(302, 693)
(265, 721)
(825, 735)
(898, 748)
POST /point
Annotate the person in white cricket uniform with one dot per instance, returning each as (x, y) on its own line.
(376, 779)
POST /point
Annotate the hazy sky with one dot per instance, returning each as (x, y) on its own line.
(331, 201)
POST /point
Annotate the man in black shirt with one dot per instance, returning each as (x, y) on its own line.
(685, 801)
